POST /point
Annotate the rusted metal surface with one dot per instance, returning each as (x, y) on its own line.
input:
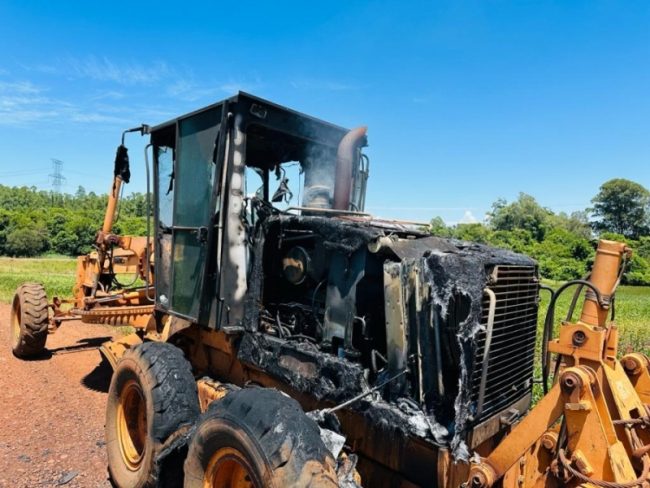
(113, 198)
(396, 321)
(345, 159)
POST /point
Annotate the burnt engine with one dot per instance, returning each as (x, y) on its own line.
(448, 326)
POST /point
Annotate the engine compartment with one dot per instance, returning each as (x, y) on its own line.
(339, 306)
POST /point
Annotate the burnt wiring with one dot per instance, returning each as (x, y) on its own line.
(372, 390)
(274, 323)
(283, 193)
(283, 332)
(374, 354)
(313, 305)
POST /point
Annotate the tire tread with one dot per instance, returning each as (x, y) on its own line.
(33, 319)
(292, 453)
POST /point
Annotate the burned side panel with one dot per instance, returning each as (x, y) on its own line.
(340, 303)
(395, 290)
(465, 276)
(454, 314)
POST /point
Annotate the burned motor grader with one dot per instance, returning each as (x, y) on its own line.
(289, 339)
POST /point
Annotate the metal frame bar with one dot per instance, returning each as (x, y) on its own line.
(486, 351)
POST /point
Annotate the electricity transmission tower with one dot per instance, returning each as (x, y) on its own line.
(56, 176)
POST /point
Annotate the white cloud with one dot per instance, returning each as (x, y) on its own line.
(190, 91)
(108, 95)
(106, 70)
(232, 87)
(19, 87)
(92, 117)
(23, 103)
(468, 218)
(103, 69)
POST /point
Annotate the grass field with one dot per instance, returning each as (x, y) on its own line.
(56, 273)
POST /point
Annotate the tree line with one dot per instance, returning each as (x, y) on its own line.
(564, 244)
(34, 222)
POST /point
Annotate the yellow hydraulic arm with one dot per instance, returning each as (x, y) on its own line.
(591, 428)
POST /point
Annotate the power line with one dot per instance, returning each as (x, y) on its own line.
(56, 176)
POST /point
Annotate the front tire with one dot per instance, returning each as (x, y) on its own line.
(152, 394)
(258, 438)
(29, 320)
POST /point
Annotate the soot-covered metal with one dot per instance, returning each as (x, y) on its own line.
(419, 306)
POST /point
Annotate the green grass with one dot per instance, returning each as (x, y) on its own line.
(56, 273)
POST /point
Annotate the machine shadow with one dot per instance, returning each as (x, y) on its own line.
(84, 344)
(99, 378)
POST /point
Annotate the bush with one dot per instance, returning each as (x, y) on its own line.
(26, 242)
(638, 272)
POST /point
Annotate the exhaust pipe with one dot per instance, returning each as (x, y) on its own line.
(345, 158)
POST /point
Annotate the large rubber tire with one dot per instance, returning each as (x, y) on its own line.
(258, 438)
(152, 394)
(29, 320)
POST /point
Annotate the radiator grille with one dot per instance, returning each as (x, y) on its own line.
(512, 350)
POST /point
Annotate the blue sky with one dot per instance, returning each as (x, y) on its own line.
(466, 102)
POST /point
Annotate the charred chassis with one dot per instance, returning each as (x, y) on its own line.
(324, 301)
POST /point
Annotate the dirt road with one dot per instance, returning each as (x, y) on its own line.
(52, 410)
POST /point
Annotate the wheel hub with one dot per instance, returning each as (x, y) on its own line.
(132, 424)
(228, 468)
(15, 323)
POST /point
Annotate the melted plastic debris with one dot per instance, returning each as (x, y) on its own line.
(339, 235)
(421, 423)
(333, 441)
(322, 375)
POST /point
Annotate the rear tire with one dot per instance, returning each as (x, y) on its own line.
(152, 394)
(258, 438)
(29, 320)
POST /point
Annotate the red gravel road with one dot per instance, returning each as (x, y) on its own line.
(52, 410)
